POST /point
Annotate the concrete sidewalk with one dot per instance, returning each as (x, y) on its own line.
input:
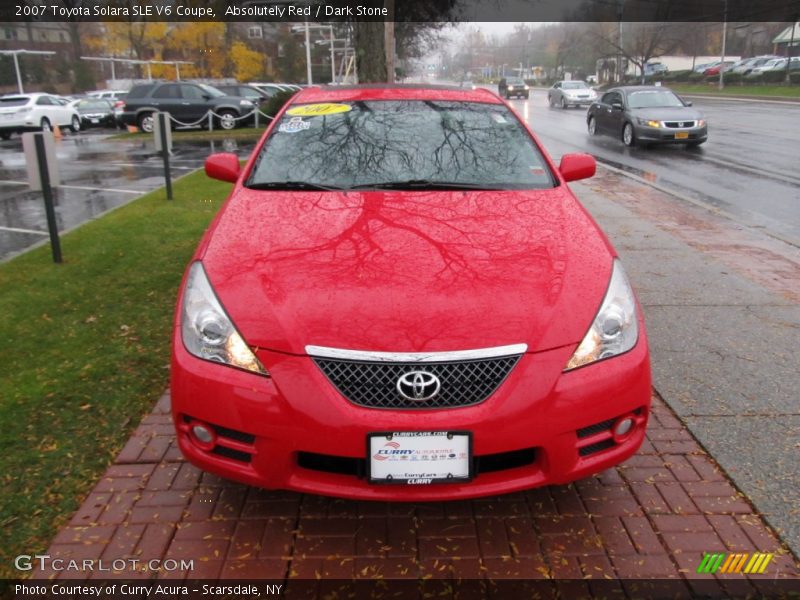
(722, 305)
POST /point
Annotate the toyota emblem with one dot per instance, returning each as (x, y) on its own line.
(418, 386)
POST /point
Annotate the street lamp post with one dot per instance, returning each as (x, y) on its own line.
(722, 58)
(15, 54)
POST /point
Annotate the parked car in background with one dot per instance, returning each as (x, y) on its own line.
(723, 66)
(188, 103)
(468, 85)
(702, 67)
(273, 88)
(570, 93)
(244, 90)
(513, 86)
(775, 64)
(746, 66)
(95, 112)
(35, 112)
(655, 68)
(644, 115)
(526, 365)
(112, 95)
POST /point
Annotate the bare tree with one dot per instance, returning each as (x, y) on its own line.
(640, 42)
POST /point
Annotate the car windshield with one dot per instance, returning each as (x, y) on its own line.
(514, 81)
(400, 145)
(653, 99)
(573, 85)
(211, 91)
(14, 101)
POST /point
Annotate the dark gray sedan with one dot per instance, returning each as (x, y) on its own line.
(647, 115)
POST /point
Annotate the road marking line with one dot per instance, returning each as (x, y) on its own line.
(80, 187)
(20, 230)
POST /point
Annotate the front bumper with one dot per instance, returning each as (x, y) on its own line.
(295, 431)
(666, 135)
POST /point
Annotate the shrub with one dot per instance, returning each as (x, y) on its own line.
(681, 76)
(695, 77)
(794, 78)
(773, 76)
(274, 104)
(732, 77)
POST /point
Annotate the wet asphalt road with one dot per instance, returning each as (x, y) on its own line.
(97, 175)
(748, 170)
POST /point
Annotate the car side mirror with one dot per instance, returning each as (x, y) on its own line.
(688, 102)
(616, 105)
(223, 166)
(577, 166)
(206, 96)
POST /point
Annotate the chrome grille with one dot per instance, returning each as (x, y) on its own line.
(374, 383)
(679, 124)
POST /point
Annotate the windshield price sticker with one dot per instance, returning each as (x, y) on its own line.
(318, 110)
(419, 457)
(294, 125)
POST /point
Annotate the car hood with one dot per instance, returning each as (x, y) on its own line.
(407, 271)
(668, 113)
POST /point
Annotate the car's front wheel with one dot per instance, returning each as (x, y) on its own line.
(45, 125)
(564, 104)
(628, 136)
(5, 135)
(592, 126)
(75, 124)
(146, 122)
(227, 120)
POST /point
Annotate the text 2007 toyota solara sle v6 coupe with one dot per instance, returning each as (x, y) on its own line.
(402, 300)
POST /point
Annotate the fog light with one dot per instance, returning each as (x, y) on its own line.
(623, 427)
(202, 434)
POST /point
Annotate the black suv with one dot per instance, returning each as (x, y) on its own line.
(513, 86)
(188, 103)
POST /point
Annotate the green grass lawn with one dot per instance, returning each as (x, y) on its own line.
(243, 134)
(789, 91)
(86, 353)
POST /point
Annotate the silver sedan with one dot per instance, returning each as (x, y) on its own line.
(570, 93)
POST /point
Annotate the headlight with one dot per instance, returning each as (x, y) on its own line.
(615, 329)
(701, 123)
(526, 87)
(208, 332)
(648, 122)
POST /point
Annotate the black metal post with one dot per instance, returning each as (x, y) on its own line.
(47, 192)
(165, 152)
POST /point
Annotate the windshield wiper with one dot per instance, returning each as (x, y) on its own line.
(417, 184)
(292, 185)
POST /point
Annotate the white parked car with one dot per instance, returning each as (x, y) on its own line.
(35, 112)
(775, 64)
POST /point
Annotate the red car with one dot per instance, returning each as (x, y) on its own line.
(402, 300)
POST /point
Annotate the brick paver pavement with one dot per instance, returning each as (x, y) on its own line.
(652, 517)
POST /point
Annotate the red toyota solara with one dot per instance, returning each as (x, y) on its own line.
(402, 300)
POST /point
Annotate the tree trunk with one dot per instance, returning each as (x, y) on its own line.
(370, 52)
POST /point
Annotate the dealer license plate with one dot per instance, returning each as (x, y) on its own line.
(419, 457)
(95, 120)
(682, 135)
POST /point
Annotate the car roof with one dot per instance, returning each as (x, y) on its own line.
(641, 88)
(397, 91)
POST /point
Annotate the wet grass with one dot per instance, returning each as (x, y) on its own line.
(786, 91)
(86, 353)
(243, 135)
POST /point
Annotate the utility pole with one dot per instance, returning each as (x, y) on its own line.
(308, 55)
(388, 32)
(620, 74)
(724, 35)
